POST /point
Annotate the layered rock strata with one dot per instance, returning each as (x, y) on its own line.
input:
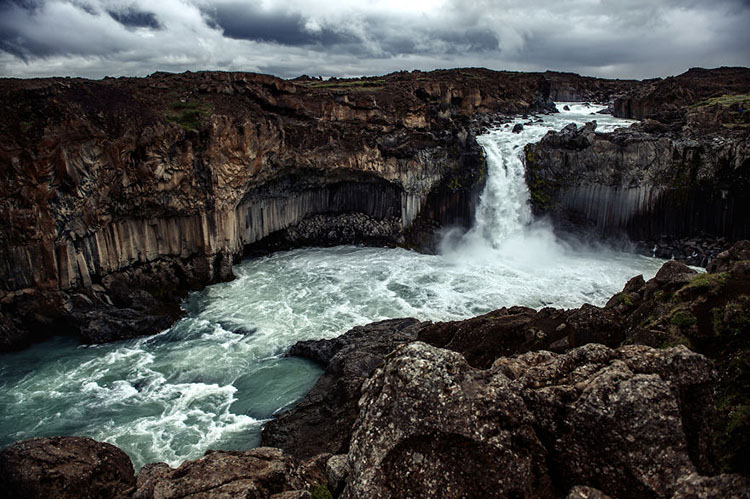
(160, 183)
(643, 183)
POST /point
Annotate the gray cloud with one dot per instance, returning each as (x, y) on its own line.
(134, 18)
(612, 38)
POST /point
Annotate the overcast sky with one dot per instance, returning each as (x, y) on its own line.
(609, 38)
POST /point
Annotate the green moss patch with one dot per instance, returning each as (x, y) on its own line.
(725, 100)
(188, 114)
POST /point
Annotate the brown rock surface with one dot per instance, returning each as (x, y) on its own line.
(610, 419)
(259, 473)
(65, 467)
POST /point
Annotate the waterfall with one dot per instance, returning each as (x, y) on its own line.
(504, 225)
(504, 205)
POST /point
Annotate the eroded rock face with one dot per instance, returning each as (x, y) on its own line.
(322, 422)
(604, 418)
(432, 426)
(646, 184)
(65, 467)
(258, 473)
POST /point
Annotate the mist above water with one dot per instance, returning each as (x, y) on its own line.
(212, 379)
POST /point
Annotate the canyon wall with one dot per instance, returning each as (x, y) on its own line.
(161, 183)
(642, 183)
(100, 176)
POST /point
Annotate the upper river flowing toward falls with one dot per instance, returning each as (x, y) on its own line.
(212, 379)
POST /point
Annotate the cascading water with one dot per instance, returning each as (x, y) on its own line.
(213, 378)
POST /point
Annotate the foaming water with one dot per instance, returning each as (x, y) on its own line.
(212, 379)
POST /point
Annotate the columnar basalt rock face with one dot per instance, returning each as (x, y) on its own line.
(165, 180)
(642, 183)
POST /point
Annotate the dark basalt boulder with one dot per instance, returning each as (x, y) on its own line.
(259, 473)
(505, 331)
(65, 467)
(102, 326)
(431, 425)
(738, 252)
(322, 422)
(517, 128)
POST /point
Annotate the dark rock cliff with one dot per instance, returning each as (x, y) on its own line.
(643, 183)
(116, 186)
(683, 172)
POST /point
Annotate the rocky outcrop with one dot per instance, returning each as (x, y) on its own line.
(648, 185)
(707, 312)
(676, 98)
(164, 181)
(65, 467)
(570, 87)
(259, 473)
(610, 419)
(322, 421)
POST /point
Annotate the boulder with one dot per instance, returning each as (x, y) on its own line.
(432, 426)
(104, 325)
(609, 419)
(65, 467)
(738, 252)
(322, 422)
(258, 473)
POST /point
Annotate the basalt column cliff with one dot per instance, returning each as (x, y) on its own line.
(113, 187)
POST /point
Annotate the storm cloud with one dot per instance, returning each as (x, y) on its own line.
(611, 38)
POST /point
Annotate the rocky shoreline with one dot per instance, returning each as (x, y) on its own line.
(645, 397)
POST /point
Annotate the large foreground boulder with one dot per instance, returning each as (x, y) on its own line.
(535, 425)
(322, 422)
(65, 467)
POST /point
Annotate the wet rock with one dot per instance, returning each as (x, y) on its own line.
(11, 336)
(674, 273)
(322, 421)
(101, 326)
(566, 108)
(65, 467)
(517, 128)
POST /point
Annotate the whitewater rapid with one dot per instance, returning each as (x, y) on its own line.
(212, 379)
